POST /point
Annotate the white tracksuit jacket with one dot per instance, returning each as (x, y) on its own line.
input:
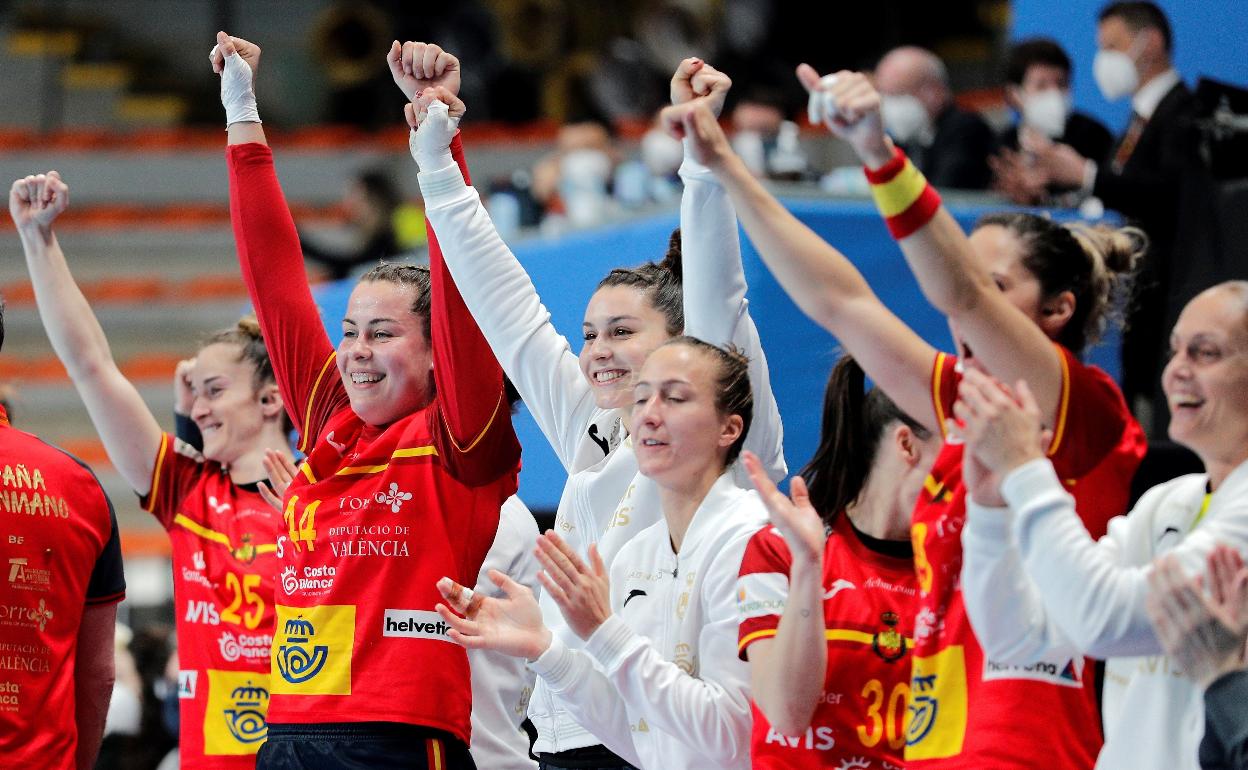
(1038, 588)
(660, 682)
(501, 684)
(605, 501)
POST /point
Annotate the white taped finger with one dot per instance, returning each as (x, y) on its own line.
(821, 107)
(237, 95)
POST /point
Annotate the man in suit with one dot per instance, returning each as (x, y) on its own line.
(1141, 177)
(950, 146)
(1038, 76)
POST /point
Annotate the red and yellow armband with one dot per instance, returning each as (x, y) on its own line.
(903, 196)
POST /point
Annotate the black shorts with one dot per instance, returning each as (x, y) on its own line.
(588, 758)
(362, 745)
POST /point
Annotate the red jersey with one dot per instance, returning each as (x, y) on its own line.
(376, 515)
(224, 539)
(60, 552)
(868, 610)
(968, 712)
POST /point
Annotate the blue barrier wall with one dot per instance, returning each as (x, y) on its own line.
(1210, 38)
(800, 354)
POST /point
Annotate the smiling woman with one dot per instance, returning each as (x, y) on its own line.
(581, 404)
(1071, 595)
(223, 534)
(635, 660)
(415, 425)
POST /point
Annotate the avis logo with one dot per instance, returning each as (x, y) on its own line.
(394, 498)
(246, 719)
(295, 661)
(290, 583)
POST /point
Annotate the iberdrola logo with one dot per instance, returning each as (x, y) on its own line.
(298, 660)
(246, 719)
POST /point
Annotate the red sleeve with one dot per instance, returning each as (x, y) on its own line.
(1097, 444)
(762, 588)
(945, 379)
(272, 266)
(475, 434)
(177, 468)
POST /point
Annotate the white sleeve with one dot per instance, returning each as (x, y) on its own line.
(1004, 606)
(1089, 592)
(716, 310)
(588, 696)
(502, 299)
(710, 713)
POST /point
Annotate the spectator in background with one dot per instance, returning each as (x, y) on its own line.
(574, 179)
(1141, 177)
(385, 226)
(1038, 78)
(764, 138)
(949, 145)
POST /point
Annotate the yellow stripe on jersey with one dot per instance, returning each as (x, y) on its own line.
(160, 461)
(753, 637)
(850, 635)
(305, 436)
(306, 469)
(936, 490)
(1063, 406)
(214, 536)
(481, 435)
(937, 373)
(416, 451)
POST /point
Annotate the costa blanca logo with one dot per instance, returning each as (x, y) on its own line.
(394, 498)
(249, 647)
(298, 660)
(197, 559)
(315, 580)
(415, 624)
(245, 718)
(290, 583)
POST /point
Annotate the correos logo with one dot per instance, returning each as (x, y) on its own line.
(245, 719)
(298, 660)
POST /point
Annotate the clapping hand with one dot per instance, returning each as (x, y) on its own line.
(580, 589)
(1002, 428)
(282, 471)
(794, 517)
(1204, 633)
(511, 625)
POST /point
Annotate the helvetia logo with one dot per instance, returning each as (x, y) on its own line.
(394, 497)
(298, 660)
(245, 719)
(415, 624)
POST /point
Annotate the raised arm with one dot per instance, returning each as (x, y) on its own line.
(789, 659)
(951, 275)
(269, 254)
(500, 295)
(130, 433)
(823, 283)
(714, 280)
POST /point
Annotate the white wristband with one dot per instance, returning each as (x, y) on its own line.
(431, 143)
(237, 95)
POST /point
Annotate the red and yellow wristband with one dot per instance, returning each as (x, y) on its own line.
(903, 196)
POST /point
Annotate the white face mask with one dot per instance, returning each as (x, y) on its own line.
(1115, 71)
(905, 118)
(661, 153)
(1046, 111)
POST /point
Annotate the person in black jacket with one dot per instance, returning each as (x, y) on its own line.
(1206, 634)
(1141, 177)
(1038, 80)
(949, 145)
